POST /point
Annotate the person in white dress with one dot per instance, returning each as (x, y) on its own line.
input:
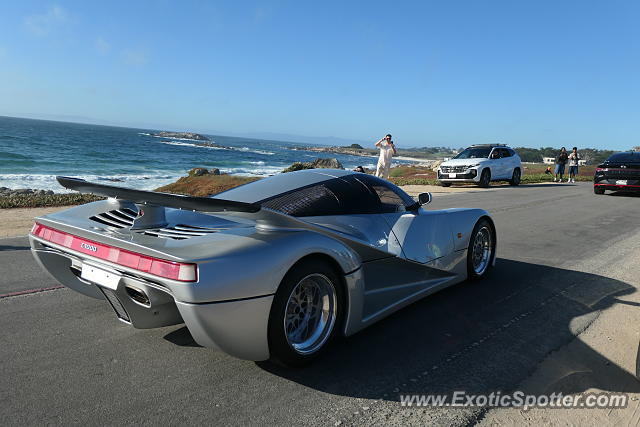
(387, 151)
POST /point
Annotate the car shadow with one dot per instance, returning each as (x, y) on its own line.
(14, 248)
(547, 184)
(181, 337)
(622, 193)
(477, 336)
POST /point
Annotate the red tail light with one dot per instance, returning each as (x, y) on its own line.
(183, 272)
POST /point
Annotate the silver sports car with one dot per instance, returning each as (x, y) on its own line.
(268, 270)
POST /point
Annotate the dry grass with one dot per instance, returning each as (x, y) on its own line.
(205, 185)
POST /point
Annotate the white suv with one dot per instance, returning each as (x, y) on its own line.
(482, 164)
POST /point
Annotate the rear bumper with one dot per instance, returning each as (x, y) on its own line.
(471, 176)
(136, 301)
(631, 183)
(617, 187)
(237, 327)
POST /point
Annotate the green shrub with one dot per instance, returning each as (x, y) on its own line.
(46, 200)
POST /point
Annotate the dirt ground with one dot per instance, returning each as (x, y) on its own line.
(18, 222)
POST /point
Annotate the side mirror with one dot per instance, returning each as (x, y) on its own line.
(424, 198)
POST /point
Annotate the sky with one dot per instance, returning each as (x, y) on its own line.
(445, 73)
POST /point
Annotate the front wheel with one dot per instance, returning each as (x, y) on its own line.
(481, 249)
(485, 178)
(515, 178)
(306, 312)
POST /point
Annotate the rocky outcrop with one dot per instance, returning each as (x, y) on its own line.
(198, 172)
(330, 163)
(298, 166)
(182, 135)
(327, 163)
(7, 192)
(203, 171)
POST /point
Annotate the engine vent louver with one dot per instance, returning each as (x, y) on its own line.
(182, 231)
(123, 218)
(118, 218)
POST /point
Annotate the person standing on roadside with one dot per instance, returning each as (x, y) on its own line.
(561, 162)
(573, 164)
(387, 151)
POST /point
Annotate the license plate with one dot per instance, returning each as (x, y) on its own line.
(452, 175)
(621, 182)
(99, 276)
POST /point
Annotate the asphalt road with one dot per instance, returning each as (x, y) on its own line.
(67, 360)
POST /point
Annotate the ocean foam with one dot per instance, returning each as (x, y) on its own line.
(180, 139)
(48, 182)
(250, 150)
(186, 144)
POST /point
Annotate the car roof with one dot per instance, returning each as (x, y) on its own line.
(488, 145)
(624, 157)
(281, 183)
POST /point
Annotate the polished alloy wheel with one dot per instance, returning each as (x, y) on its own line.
(310, 313)
(482, 248)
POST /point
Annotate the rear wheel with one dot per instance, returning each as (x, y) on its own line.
(481, 250)
(515, 178)
(485, 178)
(445, 184)
(306, 313)
(598, 190)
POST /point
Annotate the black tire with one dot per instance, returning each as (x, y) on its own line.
(597, 190)
(474, 271)
(515, 178)
(445, 184)
(485, 178)
(280, 348)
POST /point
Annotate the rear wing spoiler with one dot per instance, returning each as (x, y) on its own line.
(152, 198)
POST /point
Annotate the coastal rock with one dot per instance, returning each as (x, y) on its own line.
(296, 166)
(214, 171)
(198, 172)
(331, 163)
(23, 191)
(328, 163)
(182, 135)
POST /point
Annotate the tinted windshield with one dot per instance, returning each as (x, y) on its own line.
(474, 153)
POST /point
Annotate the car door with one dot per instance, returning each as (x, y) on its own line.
(509, 162)
(498, 166)
(423, 235)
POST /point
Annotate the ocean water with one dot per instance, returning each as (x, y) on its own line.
(33, 152)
